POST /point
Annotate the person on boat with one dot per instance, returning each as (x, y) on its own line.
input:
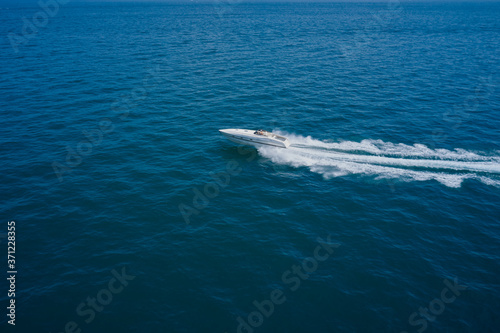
(260, 132)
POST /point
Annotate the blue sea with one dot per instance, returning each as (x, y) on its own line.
(133, 214)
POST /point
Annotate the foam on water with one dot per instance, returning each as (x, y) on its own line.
(387, 160)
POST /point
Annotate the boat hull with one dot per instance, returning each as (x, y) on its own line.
(248, 137)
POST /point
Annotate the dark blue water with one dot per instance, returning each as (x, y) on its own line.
(133, 214)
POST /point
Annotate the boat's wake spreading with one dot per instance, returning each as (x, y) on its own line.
(387, 160)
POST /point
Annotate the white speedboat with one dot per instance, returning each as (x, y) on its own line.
(255, 138)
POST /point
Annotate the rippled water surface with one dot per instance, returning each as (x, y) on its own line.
(382, 216)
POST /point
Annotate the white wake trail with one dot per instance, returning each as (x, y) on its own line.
(387, 160)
